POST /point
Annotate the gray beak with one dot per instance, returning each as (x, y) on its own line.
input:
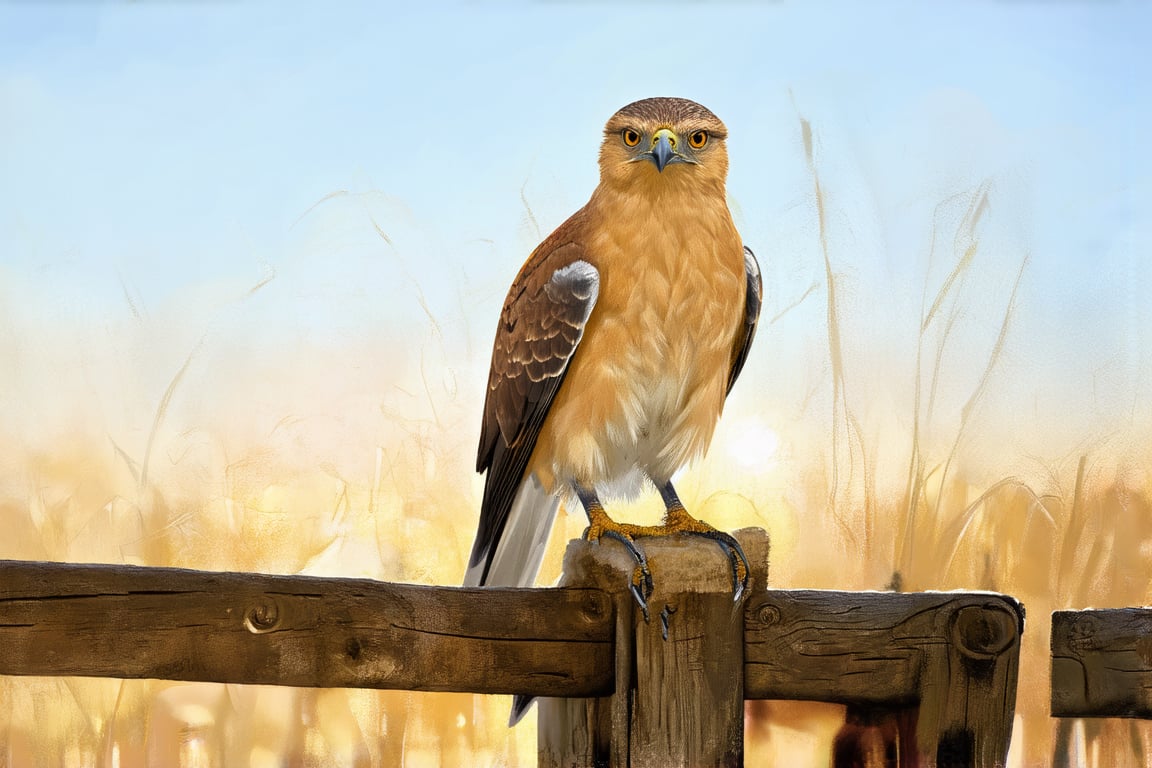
(662, 152)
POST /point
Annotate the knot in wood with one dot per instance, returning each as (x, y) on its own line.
(768, 614)
(983, 632)
(353, 649)
(1082, 636)
(1144, 649)
(262, 617)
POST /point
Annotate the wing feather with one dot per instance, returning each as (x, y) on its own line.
(753, 300)
(540, 329)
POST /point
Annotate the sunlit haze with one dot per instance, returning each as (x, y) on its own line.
(252, 257)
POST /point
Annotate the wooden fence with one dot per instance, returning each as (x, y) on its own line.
(940, 667)
(1102, 663)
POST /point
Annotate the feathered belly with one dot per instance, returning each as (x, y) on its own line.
(665, 418)
(643, 393)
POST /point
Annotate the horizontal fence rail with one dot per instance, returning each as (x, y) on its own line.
(174, 624)
(869, 648)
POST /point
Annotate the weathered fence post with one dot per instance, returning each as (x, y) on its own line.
(679, 698)
(969, 687)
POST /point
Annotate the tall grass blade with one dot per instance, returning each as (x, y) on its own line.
(955, 533)
(976, 210)
(835, 354)
(161, 411)
(982, 385)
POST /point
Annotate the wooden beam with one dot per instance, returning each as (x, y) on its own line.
(942, 663)
(1102, 663)
(951, 657)
(858, 647)
(130, 622)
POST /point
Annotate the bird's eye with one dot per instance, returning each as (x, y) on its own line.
(697, 139)
(631, 137)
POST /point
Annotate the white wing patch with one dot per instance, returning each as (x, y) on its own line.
(580, 279)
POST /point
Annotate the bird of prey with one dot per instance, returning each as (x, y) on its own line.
(617, 345)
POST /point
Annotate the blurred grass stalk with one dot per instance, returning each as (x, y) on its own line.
(1003, 539)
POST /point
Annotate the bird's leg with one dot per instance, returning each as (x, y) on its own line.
(677, 520)
(600, 525)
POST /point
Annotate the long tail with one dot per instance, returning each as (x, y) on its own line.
(520, 546)
(519, 552)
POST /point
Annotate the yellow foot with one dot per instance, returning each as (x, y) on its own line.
(601, 526)
(676, 521)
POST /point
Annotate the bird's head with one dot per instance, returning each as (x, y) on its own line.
(664, 143)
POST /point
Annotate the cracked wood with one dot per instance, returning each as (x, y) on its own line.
(130, 622)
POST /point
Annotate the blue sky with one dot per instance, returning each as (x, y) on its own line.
(172, 155)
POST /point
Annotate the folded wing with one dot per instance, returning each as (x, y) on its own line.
(540, 329)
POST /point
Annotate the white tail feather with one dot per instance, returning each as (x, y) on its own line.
(520, 548)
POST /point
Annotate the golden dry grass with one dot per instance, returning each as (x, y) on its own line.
(1084, 539)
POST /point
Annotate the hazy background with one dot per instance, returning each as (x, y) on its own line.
(252, 256)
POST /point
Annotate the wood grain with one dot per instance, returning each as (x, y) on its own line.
(1102, 663)
(129, 622)
(951, 657)
(856, 647)
(938, 668)
(678, 701)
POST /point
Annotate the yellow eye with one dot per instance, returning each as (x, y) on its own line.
(697, 139)
(631, 138)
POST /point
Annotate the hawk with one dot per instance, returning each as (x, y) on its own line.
(617, 346)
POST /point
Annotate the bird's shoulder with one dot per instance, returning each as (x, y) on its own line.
(567, 244)
(552, 294)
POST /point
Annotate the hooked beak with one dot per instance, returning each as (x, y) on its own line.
(663, 152)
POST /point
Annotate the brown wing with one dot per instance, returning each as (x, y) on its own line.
(753, 299)
(540, 327)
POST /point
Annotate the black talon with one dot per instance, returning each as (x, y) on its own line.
(741, 585)
(640, 600)
(640, 587)
(642, 591)
(631, 545)
(733, 549)
(665, 617)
